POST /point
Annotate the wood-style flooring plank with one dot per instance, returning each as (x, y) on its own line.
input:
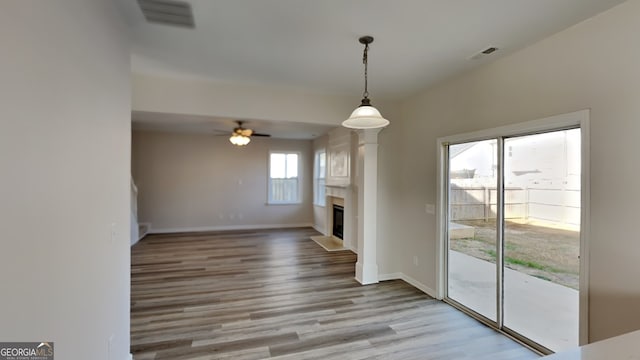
(276, 294)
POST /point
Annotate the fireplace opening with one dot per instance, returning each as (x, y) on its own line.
(338, 221)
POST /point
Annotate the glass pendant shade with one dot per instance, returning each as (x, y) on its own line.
(239, 140)
(365, 117)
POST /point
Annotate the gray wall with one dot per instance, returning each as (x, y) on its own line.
(65, 130)
(203, 182)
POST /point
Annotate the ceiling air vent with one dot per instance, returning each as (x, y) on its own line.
(167, 12)
(485, 52)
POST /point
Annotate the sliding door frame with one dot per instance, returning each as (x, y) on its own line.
(578, 119)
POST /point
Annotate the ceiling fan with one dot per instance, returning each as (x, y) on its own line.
(242, 136)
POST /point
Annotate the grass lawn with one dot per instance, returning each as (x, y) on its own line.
(546, 253)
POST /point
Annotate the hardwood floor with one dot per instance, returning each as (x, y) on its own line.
(279, 295)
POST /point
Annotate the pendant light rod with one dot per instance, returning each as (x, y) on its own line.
(366, 40)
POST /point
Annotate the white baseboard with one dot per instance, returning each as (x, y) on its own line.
(318, 229)
(392, 276)
(141, 235)
(130, 357)
(408, 279)
(148, 227)
(226, 228)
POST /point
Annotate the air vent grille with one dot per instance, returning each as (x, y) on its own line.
(485, 52)
(167, 12)
(489, 50)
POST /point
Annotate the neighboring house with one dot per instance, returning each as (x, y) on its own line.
(542, 177)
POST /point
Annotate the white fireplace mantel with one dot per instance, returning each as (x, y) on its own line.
(339, 191)
(343, 192)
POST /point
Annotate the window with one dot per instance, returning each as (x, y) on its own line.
(284, 178)
(319, 174)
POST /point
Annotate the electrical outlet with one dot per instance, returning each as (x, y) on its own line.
(415, 260)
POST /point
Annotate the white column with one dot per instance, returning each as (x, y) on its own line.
(367, 183)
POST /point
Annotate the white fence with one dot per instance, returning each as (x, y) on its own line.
(546, 202)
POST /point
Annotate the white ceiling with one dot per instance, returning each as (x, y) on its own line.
(313, 44)
(196, 124)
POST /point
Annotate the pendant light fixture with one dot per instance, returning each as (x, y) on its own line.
(365, 116)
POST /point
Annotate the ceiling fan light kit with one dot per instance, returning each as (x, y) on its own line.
(365, 116)
(242, 136)
(239, 139)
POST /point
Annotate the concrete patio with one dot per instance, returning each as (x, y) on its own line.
(540, 310)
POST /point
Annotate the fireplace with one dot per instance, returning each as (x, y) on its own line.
(338, 221)
(339, 224)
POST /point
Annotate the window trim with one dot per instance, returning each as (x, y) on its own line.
(298, 178)
(317, 201)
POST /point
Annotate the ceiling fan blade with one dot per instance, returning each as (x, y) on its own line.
(239, 130)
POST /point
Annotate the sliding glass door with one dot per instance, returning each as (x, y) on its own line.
(513, 234)
(472, 238)
(542, 237)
